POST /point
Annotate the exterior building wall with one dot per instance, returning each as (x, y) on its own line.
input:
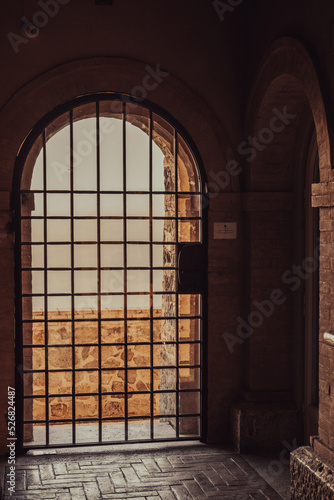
(87, 357)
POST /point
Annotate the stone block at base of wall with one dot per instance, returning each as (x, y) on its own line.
(262, 426)
(311, 476)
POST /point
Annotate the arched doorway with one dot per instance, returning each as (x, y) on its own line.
(277, 377)
(109, 283)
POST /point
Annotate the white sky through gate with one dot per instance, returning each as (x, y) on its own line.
(85, 178)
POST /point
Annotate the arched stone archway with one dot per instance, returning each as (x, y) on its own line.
(287, 63)
(60, 84)
(286, 102)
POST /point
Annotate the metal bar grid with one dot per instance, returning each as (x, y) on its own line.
(151, 293)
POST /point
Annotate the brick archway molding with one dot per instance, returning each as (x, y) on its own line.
(287, 78)
(59, 85)
(68, 81)
(288, 57)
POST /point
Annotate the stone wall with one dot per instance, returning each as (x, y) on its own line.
(311, 476)
(86, 356)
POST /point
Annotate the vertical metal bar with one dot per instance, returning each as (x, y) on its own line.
(201, 326)
(98, 181)
(204, 320)
(19, 373)
(125, 277)
(151, 275)
(47, 428)
(72, 277)
(177, 295)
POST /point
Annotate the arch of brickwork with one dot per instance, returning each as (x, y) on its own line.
(61, 84)
(285, 91)
(288, 76)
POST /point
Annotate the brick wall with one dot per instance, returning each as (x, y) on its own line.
(323, 197)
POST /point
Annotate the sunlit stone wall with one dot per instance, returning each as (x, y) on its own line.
(87, 357)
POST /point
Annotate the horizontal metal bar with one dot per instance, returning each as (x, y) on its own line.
(82, 320)
(106, 443)
(109, 242)
(60, 370)
(109, 217)
(92, 191)
(111, 419)
(94, 294)
(110, 393)
(26, 269)
(102, 268)
(114, 344)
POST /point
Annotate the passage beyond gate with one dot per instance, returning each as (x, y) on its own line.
(109, 278)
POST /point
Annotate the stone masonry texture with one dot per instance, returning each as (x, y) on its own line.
(311, 477)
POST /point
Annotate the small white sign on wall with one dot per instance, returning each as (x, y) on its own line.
(224, 230)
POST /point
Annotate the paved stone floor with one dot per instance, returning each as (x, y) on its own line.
(145, 472)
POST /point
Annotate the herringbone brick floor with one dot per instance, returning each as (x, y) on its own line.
(192, 472)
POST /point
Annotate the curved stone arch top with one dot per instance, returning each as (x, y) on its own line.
(64, 83)
(288, 68)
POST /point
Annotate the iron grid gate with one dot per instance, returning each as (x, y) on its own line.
(109, 332)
